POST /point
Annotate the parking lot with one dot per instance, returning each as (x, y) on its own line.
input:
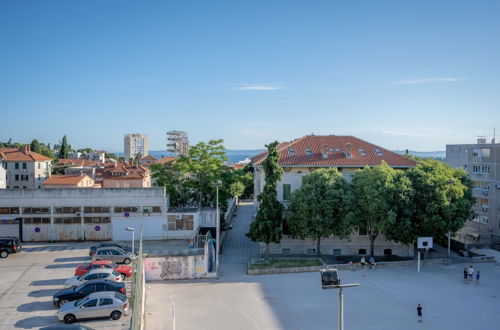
(30, 278)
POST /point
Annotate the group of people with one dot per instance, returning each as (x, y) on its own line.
(469, 275)
(363, 263)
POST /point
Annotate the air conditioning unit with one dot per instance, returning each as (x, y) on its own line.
(178, 217)
(78, 214)
(484, 208)
(485, 192)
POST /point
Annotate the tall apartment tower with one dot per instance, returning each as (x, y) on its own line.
(178, 142)
(482, 161)
(135, 144)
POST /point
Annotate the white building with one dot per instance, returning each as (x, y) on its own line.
(92, 214)
(25, 169)
(3, 177)
(135, 144)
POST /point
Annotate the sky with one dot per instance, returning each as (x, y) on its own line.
(401, 74)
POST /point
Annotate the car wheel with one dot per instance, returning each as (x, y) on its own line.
(4, 254)
(116, 315)
(62, 302)
(70, 318)
(127, 261)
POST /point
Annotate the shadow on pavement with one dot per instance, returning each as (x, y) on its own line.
(43, 293)
(57, 281)
(36, 306)
(71, 265)
(72, 259)
(36, 322)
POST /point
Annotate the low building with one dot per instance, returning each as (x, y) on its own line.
(97, 156)
(147, 161)
(482, 161)
(3, 177)
(25, 169)
(125, 175)
(69, 181)
(345, 153)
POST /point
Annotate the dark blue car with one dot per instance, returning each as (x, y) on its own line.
(78, 292)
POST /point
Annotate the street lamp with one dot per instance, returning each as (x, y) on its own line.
(331, 280)
(133, 238)
(217, 184)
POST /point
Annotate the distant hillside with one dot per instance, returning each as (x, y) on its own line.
(424, 154)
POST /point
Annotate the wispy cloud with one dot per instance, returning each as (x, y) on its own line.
(259, 87)
(426, 80)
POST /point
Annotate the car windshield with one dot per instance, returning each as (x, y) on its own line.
(120, 296)
(77, 288)
(80, 301)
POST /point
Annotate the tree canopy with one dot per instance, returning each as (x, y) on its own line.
(64, 151)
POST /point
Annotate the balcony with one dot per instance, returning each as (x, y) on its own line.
(481, 191)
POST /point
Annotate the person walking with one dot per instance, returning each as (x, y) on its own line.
(363, 262)
(466, 276)
(477, 277)
(471, 274)
(372, 262)
(419, 313)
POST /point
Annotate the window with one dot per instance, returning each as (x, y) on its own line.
(151, 209)
(67, 210)
(68, 220)
(9, 210)
(180, 222)
(96, 209)
(387, 252)
(378, 152)
(291, 152)
(105, 301)
(91, 277)
(362, 251)
(17, 177)
(16, 166)
(36, 210)
(285, 251)
(483, 219)
(331, 150)
(90, 303)
(362, 152)
(97, 220)
(337, 252)
(39, 165)
(287, 191)
(362, 231)
(131, 209)
(309, 152)
(24, 166)
(36, 221)
(311, 251)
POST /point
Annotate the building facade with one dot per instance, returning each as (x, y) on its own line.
(482, 161)
(3, 177)
(79, 180)
(125, 175)
(135, 144)
(345, 153)
(25, 169)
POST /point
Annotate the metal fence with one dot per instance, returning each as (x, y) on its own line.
(136, 323)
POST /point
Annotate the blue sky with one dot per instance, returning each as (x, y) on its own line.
(401, 74)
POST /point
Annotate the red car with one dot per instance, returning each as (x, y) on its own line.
(125, 270)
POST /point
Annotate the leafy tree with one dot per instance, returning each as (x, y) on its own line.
(237, 188)
(319, 208)
(64, 151)
(110, 156)
(442, 199)
(121, 159)
(170, 176)
(35, 146)
(373, 200)
(267, 226)
(85, 150)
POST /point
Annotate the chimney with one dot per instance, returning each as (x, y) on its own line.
(26, 149)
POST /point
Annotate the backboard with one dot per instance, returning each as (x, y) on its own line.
(424, 242)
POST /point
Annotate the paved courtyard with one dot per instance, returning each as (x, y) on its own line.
(30, 278)
(386, 299)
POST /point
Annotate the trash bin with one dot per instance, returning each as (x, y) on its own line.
(329, 277)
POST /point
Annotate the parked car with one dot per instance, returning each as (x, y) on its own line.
(67, 327)
(96, 305)
(125, 270)
(109, 244)
(79, 292)
(9, 245)
(108, 274)
(114, 254)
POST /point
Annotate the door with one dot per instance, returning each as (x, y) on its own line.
(88, 310)
(10, 228)
(116, 256)
(86, 290)
(105, 307)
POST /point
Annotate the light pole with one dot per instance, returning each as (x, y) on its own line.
(133, 238)
(451, 181)
(217, 184)
(331, 280)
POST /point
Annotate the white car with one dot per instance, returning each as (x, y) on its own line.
(94, 274)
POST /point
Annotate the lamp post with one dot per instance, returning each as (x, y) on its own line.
(217, 184)
(133, 238)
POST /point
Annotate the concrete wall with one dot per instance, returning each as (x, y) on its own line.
(154, 227)
(175, 268)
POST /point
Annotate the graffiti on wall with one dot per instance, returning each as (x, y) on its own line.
(169, 268)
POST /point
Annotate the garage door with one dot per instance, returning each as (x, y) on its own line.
(9, 228)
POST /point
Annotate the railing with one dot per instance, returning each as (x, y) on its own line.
(137, 320)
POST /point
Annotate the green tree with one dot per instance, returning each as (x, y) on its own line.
(110, 156)
(373, 207)
(63, 153)
(442, 199)
(85, 150)
(121, 159)
(236, 188)
(35, 146)
(319, 208)
(267, 226)
(171, 177)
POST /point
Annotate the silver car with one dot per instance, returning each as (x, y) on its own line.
(114, 254)
(106, 304)
(94, 274)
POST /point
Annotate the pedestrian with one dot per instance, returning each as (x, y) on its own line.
(351, 265)
(419, 313)
(363, 262)
(466, 276)
(372, 262)
(477, 277)
(471, 274)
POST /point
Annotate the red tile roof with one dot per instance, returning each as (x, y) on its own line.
(334, 151)
(22, 155)
(149, 157)
(65, 179)
(125, 171)
(79, 163)
(166, 159)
